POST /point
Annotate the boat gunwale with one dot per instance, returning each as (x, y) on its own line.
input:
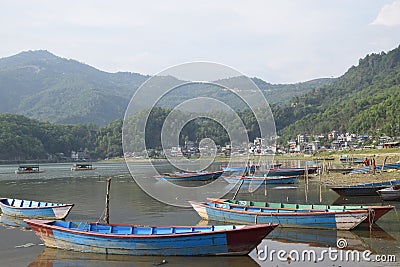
(58, 205)
(46, 224)
(278, 214)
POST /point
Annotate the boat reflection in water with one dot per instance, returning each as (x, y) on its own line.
(57, 257)
(345, 200)
(13, 222)
(318, 237)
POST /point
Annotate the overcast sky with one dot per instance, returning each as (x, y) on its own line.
(277, 41)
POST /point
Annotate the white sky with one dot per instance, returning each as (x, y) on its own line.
(277, 41)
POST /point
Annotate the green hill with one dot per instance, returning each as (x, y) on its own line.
(366, 99)
(41, 85)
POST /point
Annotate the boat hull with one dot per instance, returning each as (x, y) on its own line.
(363, 189)
(29, 209)
(249, 180)
(191, 176)
(345, 220)
(389, 194)
(236, 241)
(374, 212)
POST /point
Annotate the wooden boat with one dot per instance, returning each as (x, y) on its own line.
(390, 193)
(82, 167)
(254, 180)
(347, 159)
(287, 171)
(26, 169)
(327, 219)
(374, 212)
(34, 209)
(390, 166)
(135, 240)
(190, 176)
(369, 189)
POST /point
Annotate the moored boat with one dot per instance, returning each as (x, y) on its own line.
(27, 169)
(254, 180)
(82, 167)
(189, 176)
(123, 239)
(390, 193)
(374, 212)
(34, 209)
(369, 189)
(328, 219)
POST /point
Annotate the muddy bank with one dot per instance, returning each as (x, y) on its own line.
(337, 179)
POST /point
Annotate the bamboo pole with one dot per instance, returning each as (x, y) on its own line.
(107, 213)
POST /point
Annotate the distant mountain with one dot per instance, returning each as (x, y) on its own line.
(49, 88)
(41, 85)
(366, 99)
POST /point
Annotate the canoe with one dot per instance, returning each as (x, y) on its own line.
(124, 239)
(374, 212)
(287, 171)
(366, 169)
(391, 193)
(254, 180)
(34, 209)
(328, 219)
(369, 189)
(275, 171)
(189, 176)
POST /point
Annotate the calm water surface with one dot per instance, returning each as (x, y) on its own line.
(129, 204)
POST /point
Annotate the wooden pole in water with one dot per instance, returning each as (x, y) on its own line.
(383, 165)
(107, 213)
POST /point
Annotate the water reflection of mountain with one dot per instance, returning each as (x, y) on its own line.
(57, 257)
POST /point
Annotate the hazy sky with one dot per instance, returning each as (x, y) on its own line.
(277, 41)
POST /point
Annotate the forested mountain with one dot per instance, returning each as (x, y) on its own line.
(366, 99)
(43, 86)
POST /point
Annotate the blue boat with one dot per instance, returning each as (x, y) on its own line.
(34, 209)
(366, 169)
(123, 239)
(369, 189)
(189, 176)
(324, 219)
(254, 180)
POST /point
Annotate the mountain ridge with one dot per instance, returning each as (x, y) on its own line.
(41, 85)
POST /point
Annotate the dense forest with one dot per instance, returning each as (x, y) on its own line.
(365, 100)
(22, 138)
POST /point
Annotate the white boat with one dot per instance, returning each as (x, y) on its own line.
(390, 193)
(82, 167)
(24, 169)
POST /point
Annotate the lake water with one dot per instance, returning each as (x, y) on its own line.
(129, 204)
